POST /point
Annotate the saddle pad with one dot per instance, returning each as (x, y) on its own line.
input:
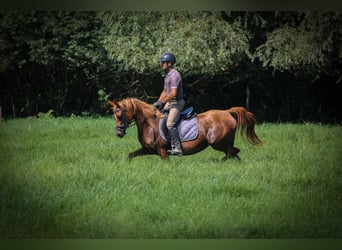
(187, 129)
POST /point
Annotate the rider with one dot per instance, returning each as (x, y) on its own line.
(171, 98)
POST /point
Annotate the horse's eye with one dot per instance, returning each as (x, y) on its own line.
(118, 114)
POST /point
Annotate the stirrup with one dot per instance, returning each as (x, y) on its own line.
(175, 152)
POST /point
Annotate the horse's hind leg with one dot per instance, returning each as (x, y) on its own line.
(232, 154)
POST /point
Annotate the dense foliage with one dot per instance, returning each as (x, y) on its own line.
(204, 42)
(284, 66)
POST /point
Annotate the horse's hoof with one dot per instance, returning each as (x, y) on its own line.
(235, 157)
(224, 158)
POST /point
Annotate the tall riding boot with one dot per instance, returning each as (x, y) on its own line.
(176, 147)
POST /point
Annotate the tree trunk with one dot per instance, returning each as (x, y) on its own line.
(0, 111)
(248, 93)
(14, 113)
(63, 92)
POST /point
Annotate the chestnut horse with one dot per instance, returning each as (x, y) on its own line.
(215, 128)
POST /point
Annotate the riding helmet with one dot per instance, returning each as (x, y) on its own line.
(168, 57)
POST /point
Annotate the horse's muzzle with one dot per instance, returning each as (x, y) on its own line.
(120, 135)
(120, 131)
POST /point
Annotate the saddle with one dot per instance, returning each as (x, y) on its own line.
(187, 126)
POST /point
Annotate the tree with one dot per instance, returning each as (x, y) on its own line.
(203, 41)
(314, 47)
(267, 61)
(56, 57)
(205, 45)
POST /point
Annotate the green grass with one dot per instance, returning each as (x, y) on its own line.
(69, 178)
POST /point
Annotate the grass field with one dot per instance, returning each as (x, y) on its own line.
(69, 178)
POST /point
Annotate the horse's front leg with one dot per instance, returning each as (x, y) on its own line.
(139, 152)
(163, 153)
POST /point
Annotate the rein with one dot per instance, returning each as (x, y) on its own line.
(154, 117)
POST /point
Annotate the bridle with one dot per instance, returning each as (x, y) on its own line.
(125, 123)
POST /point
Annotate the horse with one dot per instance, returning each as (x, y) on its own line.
(215, 128)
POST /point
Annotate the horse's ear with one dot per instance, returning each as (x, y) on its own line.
(113, 104)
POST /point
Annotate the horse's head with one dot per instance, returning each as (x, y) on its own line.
(122, 118)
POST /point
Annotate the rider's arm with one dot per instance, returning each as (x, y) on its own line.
(165, 98)
(162, 95)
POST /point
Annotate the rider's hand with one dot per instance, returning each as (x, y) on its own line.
(159, 104)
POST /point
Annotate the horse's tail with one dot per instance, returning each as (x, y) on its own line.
(246, 122)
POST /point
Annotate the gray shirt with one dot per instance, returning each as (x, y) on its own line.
(174, 80)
